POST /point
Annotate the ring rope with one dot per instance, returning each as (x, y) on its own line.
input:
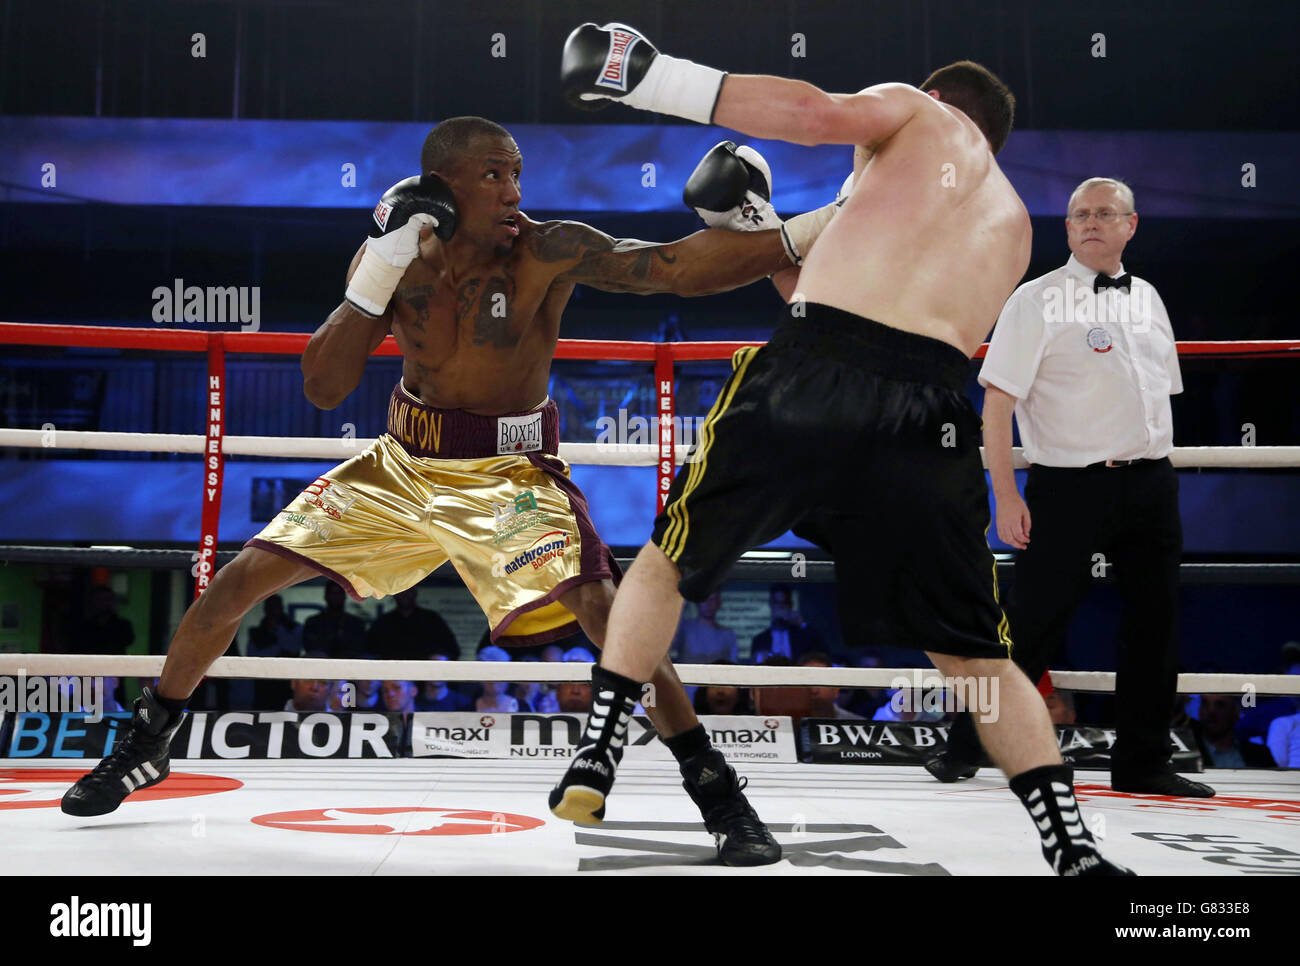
(334, 669)
(590, 454)
(605, 350)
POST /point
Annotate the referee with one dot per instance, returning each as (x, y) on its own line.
(1086, 359)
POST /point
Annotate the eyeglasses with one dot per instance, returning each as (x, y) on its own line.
(1105, 216)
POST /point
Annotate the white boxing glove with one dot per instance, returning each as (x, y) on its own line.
(731, 188)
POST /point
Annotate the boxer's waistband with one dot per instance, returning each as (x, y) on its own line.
(453, 434)
(854, 340)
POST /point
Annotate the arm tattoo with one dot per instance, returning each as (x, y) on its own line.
(604, 262)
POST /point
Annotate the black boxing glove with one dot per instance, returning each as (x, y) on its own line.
(616, 62)
(394, 242)
(731, 188)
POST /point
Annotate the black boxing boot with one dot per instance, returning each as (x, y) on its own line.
(961, 759)
(139, 760)
(740, 835)
(580, 795)
(1047, 793)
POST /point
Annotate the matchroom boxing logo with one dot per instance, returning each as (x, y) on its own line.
(399, 821)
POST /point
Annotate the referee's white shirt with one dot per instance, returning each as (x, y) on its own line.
(1092, 374)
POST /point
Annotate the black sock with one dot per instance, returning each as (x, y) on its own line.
(612, 699)
(173, 706)
(1048, 794)
(688, 744)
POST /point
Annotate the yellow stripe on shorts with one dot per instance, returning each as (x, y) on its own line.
(1004, 625)
(674, 540)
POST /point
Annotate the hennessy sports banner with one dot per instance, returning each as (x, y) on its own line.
(375, 734)
(830, 741)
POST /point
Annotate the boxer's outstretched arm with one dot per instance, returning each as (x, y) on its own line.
(706, 262)
(335, 358)
(791, 110)
(786, 281)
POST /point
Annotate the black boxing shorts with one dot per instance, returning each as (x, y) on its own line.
(858, 437)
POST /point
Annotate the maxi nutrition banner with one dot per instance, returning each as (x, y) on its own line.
(231, 735)
(476, 735)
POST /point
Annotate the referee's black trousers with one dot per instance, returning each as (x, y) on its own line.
(1127, 519)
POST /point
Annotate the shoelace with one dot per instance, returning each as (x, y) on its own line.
(112, 768)
(739, 818)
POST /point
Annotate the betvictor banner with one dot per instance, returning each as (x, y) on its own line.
(212, 734)
(839, 742)
(476, 735)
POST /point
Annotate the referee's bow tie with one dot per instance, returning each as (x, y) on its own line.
(1105, 281)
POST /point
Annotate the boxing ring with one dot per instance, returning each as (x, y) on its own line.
(446, 815)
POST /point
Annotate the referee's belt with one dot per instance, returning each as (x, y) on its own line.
(1104, 464)
(1116, 464)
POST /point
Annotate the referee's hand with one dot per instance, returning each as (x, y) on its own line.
(1013, 521)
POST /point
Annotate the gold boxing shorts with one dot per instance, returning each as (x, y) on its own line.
(487, 493)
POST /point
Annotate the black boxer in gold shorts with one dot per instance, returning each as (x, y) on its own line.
(488, 493)
(472, 290)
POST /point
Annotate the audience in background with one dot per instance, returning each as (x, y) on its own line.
(1284, 741)
(309, 695)
(824, 702)
(719, 699)
(573, 697)
(275, 635)
(101, 630)
(365, 694)
(1219, 747)
(1060, 707)
(864, 701)
(1229, 735)
(436, 696)
(701, 640)
(793, 702)
(495, 697)
(410, 633)
(787, 636)
(1255, 724)
(334, 631)
(908, 705)
(399, 696)
(533, 696)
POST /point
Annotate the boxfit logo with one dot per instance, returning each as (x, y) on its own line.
(399, 821)
(32, 787)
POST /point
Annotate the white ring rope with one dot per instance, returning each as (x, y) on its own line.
(591, 454)
(333, 669)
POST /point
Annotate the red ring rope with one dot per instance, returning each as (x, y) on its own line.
(662, 354)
